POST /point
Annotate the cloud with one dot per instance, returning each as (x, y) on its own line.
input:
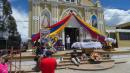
(22, 22)
(116, 16)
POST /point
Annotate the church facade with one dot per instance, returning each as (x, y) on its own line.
(44, 13)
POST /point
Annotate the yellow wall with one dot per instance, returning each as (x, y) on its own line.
(122, 43)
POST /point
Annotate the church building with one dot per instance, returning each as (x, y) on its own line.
(45, 13)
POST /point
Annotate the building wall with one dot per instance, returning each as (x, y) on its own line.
(122, 43)
(125, 29)
(58, 9)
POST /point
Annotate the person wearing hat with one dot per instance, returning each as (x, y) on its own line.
(48, 64)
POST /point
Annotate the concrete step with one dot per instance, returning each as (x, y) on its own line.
(64, 61)
(66, 58)
(70, 63)
(93, 67)
(61, 67)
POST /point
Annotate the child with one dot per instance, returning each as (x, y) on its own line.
(3, 65)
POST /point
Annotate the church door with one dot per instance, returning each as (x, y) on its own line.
(73, 34)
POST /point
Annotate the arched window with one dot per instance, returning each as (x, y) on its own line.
(94, 21)
(45, 19)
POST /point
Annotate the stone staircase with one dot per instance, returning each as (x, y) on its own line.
(67, 62)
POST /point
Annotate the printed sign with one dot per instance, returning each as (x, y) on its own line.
(44, 33)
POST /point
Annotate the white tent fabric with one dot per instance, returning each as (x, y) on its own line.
(110, 40)
(86, 45)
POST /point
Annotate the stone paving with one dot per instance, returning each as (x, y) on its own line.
(28, 65)
(118, 68)
(94, 67)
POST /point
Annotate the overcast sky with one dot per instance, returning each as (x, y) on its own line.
(115, 11)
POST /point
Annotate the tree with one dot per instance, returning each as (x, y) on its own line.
(2, 27)
(7, 8)
(9, 25)
(12, 24)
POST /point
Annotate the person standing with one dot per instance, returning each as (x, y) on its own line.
(37, 44)
(36, 58)
(68, 42)
(37, 52)
(47, 64)
(3, 65)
